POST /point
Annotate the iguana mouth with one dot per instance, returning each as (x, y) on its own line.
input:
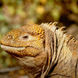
(18, 51)
(12, 48)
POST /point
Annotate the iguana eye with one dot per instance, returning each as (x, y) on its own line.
(25, 37)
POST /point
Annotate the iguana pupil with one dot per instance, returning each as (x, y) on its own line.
(25, 37)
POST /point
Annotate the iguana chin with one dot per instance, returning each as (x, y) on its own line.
(44, 51)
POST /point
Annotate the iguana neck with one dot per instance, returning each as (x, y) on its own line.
(55, 40)
(53, 48)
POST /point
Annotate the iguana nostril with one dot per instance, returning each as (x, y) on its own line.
(10, 36)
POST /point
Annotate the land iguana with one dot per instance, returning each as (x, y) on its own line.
(45, 51)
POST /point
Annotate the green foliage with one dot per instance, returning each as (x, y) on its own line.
(2, 18)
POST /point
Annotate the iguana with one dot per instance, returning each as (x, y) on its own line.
(45, 50)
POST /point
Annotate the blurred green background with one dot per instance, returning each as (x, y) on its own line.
(15, 13)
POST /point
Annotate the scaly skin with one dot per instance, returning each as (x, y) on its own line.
(44, 51)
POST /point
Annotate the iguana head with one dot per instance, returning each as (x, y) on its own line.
(26, 44)
(25, 41)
